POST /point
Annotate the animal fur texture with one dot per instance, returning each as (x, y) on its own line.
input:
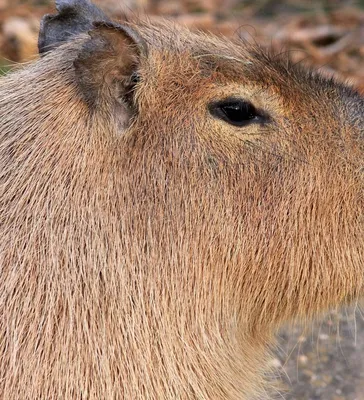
(150, 250)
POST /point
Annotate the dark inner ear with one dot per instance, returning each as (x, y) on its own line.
(107, 67)
(74, 17)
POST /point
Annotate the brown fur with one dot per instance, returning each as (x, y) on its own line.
(158, 262)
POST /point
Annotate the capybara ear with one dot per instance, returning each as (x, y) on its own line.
(73, 18)
(107, 65)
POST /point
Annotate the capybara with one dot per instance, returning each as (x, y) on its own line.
(168, 200)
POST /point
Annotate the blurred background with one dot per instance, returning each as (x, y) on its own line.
(326, 360)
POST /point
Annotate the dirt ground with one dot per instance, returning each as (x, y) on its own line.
(325, 361)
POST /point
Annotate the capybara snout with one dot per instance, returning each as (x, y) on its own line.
(168, 200)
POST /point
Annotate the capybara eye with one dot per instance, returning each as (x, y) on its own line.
(237, 112)
(135, 78)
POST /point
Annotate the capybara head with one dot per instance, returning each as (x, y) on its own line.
(168, 200)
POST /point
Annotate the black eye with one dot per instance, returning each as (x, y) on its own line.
(135, 78)
(236, 112)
